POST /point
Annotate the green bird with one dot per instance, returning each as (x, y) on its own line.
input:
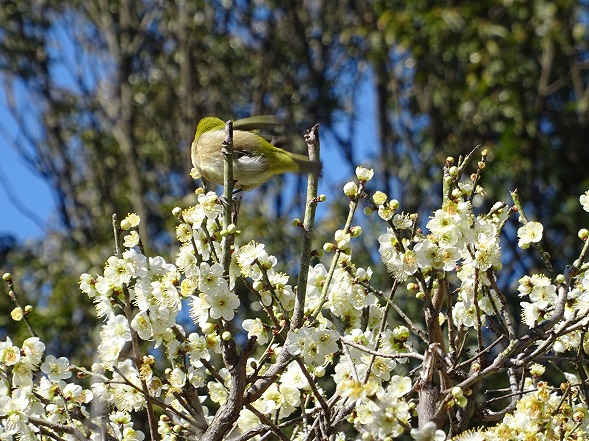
(255, 159)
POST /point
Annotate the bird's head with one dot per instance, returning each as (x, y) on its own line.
(207, 124)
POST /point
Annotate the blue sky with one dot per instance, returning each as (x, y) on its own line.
(23, 194)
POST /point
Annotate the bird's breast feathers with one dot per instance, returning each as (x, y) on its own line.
(249, 169)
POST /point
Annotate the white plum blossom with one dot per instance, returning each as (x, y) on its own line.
(429, 432)
(141, 323)
(487, 252)
(402, 221)
(255, 328)
(400, 264)
(211, 278)
(117, 329)
(313, 344)
(248, 255)
(9, 354)
(386, 210)
(113, 337)
(32, 351)
(294, 377)
(223, 304)
(186, 261)
(13, 410)
(196, 347)
(247, 420)
(584, 200)
(442, 222)
(76, 393)
(177, 378)
(210, 204)
(464, 314)
(165, 294)
(529, 233)
(342, 239)
(22, 374)
(218, 393)
(118, 271)
(199, 310)
(56, 369)
(428, 255)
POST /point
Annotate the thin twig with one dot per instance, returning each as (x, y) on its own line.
(312, 140)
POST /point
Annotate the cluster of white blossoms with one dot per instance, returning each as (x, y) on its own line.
(457, 241)
(25, 396)
(543, 295)
(346, 354)
(543, 413)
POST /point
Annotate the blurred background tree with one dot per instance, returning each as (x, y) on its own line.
(107, 95)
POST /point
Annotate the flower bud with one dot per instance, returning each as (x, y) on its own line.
(412, 286)
(226, 336)
(379, 197)
(364, 174)
(457, 392)
(583, 234)
(319, 371)
(328, 247)
(462, 401)
(231, 228)
(355, 231)
(208, 328)
(368, 210)
(351, 189)
(401, 333)
(17, 314)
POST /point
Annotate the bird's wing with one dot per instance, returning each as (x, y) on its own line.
(256, 122)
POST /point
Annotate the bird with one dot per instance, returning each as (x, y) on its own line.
(255, 159)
